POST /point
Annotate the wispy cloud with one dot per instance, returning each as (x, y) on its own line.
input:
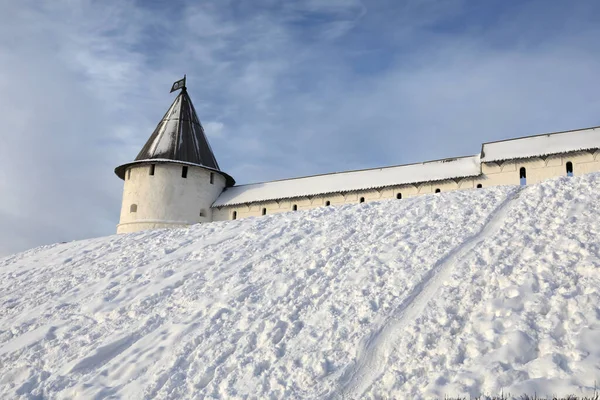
(283, 89)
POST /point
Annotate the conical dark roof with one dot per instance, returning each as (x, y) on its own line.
(179, 136)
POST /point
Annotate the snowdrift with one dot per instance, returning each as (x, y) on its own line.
(463, 293)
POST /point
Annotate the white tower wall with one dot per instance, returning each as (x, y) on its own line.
(166, 199)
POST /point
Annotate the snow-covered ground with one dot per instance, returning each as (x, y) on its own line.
(468, 292)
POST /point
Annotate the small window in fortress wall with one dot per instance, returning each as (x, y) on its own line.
(264, 211)
(152, 169)
(362, 200)
(398, 196)
(479, 186)
(129, 173)
(327, 203)
(234, 215)
(202, 214)
(438, 190)
(212, 178)
(523, 176)
(184, 172)
(295, 207)
(133, 208)
(569, 168)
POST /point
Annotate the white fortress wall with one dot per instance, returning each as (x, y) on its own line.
(166, 199)
(543, 156)
(539, 169)
(309, 202)
(345, 188)
(349, 181)
(495, 173)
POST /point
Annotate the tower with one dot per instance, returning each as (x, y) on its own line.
(175, 178)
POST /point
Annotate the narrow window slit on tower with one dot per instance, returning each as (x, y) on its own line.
(234, 215)
(295, 207)
(327, 203)
(362, 199)
(212, 178)
(184, 171)
(264, 211)
(523, 176)
(133, 208)
(151, 169)
(129, 173)
(202, 213)
(569, 168)
(398, 196)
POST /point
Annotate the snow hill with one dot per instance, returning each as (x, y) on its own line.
(468, 292)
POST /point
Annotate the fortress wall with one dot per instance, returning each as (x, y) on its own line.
(166, 199)
(493, 174)
(539, 169)
(586, 162)
(337, 199)
(469, 183)
(445, 186)
(405, 190)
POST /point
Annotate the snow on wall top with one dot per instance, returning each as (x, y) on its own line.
(351, 180)
(541, 145)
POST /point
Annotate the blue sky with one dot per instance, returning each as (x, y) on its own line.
(283, 89)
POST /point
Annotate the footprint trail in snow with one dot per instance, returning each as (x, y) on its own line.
(373, 353)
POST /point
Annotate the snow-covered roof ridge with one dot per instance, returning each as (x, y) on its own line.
(340, 182)
(541, 145)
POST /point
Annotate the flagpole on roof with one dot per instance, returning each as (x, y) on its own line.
(180, 84)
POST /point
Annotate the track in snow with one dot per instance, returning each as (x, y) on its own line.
(377, 347)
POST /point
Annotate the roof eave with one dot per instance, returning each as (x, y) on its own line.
(120, 170)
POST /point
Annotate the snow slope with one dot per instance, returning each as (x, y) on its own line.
(464, 293)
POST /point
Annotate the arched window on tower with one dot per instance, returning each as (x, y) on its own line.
(438, 190)
(133, 208)
(362, 200)
(264, 211)
(234, 215)
(479, 186)
(569, 168)
(523, 176)
(398, 196)
(295, 207)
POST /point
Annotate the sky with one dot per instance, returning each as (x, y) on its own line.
(282, 88)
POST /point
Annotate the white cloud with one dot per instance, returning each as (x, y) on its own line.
(214, 129)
